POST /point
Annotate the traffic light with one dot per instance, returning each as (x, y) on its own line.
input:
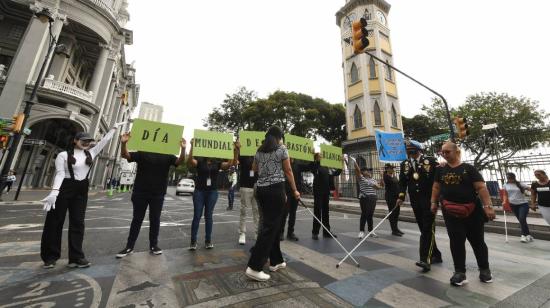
(461, 125)
(17, 123)
(360, 33)
(4, 141)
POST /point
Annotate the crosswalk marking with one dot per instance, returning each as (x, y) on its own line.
(400, 296)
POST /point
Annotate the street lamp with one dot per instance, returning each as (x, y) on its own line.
(45, 15)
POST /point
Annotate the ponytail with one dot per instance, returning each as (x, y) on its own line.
(72, 160)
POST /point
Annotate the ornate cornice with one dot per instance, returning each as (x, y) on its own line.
(352, 4)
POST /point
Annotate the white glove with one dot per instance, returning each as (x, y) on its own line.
(49, 201)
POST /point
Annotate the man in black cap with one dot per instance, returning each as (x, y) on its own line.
(417, 176)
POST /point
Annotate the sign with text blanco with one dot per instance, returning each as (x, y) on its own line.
(155, 137)
(212, 144)
(299, 147)
(331, 156)
(250, 142)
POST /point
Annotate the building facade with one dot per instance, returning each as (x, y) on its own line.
(88, 87)
(372, 101)
(150, 112)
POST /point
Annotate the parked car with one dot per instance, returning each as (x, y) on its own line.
(185, 186)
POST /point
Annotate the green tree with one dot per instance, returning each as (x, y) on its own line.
(229, 116)
(421, 127)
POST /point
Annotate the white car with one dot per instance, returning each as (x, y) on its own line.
(185, 186)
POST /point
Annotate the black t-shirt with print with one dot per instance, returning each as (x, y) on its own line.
(543, 193)
(207, 171)
(457, 184)
(152, 171)
(245, 165)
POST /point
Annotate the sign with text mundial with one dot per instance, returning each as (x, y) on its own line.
(299, 147)
(212, 144)
(331, 156)
(250, 142)
(390, 146)
(155, 137)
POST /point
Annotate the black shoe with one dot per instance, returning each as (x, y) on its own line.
(425, 266)
(401, 232)
(292, 237)
(315, 236)
(155, 250)
(458, 279)
(396, 233)
(49, 264)
(124, 252)
(193, 246)
(436, 260)
(80, 263)
(281, 237)
(208, 245)
(229, 208)
(327, 235)
(485, 276)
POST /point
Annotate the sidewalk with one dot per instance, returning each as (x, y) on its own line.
(32, 196)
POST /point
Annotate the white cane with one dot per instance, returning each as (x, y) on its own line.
(365, 238)
(327, 230)
(505, 224)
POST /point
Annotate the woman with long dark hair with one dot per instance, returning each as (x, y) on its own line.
(70, 192)
(540, 194)
(515, 195)
(272, 164)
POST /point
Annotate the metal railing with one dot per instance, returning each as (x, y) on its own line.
(68, 89)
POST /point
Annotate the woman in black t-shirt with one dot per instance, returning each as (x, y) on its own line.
(459, 185)
(540, 194)
(206, 193)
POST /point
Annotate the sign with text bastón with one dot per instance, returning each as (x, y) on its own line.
(212, 144)
(250, 142)
(155, 137)
(299, 147)
(331, 156)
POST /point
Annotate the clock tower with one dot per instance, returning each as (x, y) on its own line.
(372, 102)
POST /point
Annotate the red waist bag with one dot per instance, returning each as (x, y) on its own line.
(458, 210)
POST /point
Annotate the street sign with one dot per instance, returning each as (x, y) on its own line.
(34, 142)
(26, 131)
(441, 137)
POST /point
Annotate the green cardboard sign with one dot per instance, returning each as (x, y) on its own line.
(299, 147)
(212, 144)
(250, 142)
(331, 156)
(155, 137)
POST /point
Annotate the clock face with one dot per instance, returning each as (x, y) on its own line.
(381, 18)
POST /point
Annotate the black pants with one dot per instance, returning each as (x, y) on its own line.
(271, 200)
(368, 204)
(472, 229)
(320, 209)
(73, 196)
(394, 217)
(426, 223)
(140, 201)
(290, 211)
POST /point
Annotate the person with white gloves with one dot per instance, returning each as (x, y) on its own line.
(70, 192)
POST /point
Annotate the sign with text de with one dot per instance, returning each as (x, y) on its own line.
(331, 156)
(250, 142)
(212, 144)
(299, 147)
(155, 137)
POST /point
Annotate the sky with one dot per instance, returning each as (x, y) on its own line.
(190, 54)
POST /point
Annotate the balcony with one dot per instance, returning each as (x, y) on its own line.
(105, 5)
(67, 89)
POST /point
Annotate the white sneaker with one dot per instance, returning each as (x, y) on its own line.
(258, 276)
(242, 239)
(524, 239)
(529, 238)
(277, 267)
(373, 235)
(361, 234)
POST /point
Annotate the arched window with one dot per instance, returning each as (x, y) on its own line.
(366, 14)
(354, 72)
(372, 69)
(357, 118)
(377, 114)
(393, 116)
(388, 71)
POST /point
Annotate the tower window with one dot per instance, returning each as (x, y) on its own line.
(393, 116)
(357, 118)
(354, 73)
(372, 69)
(367, 15)
(377, 114)
(388, 71)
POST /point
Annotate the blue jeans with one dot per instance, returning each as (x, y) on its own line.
(521, 211)
(231, 195)
(203, 199)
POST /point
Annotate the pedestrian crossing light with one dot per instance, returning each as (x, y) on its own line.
(461, 126)
(360, 33)
(4, 141)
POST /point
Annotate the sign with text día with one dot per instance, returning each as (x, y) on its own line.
(155, 137)
(331, 156)
(390, 146)
(299, 147)
(250, 142)
(212, 144)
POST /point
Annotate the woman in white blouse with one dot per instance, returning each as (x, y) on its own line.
(515, 194)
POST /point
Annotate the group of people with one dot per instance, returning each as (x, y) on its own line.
(270, 183)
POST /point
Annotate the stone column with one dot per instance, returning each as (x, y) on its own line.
(98, 71)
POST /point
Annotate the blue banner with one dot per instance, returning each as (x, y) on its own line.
(390, 146)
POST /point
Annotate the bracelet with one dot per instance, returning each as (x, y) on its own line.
(487, 206)
(434, 202)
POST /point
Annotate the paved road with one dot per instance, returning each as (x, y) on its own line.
(211, 278)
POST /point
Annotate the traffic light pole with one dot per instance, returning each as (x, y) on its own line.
(451, 130)
(28, 106)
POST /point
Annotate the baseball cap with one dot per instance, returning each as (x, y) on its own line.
(83, 136)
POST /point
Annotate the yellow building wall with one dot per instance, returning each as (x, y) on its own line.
(355, 90)
(391, 89)
(385, 45)
(374, 86)
(358, 133)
